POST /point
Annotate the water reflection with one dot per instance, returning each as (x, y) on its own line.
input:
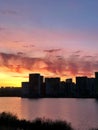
(12, 105)
(82, 113)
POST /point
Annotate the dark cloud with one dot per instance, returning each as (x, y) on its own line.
(52, 50)
(20, 53)
(89, 57)
(60, 57)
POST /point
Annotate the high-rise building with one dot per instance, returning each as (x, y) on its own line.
(25, 89)
(35, 81)
(42, 87)
(81, 84)
(69, 80)
(91, 87)
(70, 87)
(52, 86)
(96, 83)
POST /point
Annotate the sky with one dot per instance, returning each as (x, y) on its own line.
(57, 38)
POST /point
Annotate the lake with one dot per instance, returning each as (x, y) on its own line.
(81, 113)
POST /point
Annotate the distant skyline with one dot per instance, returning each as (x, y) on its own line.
(57, 38)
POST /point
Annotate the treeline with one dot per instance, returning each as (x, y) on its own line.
(11, 122)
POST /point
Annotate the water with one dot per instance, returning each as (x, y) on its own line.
(81, 113)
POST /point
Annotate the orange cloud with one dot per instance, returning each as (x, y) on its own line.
(56, 65)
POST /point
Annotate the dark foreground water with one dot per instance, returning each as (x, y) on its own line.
(81, 113)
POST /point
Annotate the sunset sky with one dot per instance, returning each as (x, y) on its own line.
(58, 38)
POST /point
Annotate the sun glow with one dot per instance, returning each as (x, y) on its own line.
(10, 81)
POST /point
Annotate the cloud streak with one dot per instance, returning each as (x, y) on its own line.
(8, 12)
(52, 50)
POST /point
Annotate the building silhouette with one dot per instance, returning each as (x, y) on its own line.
(91, 87)
(69, 88)
(35, 81)
(38, 86)
(81, 84)
(25, 89)
(96, 83)
(52, 86)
